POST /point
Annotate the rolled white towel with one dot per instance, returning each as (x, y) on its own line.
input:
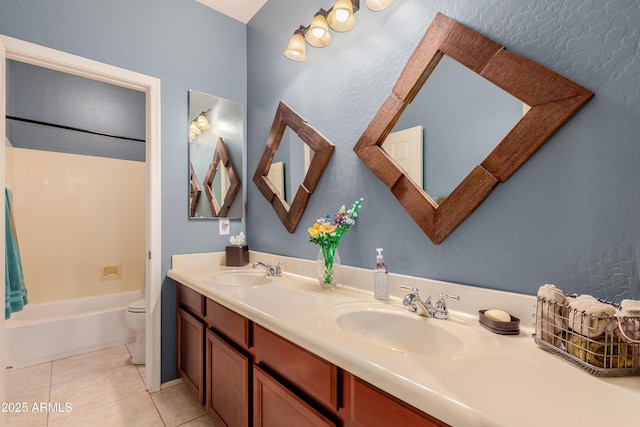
(630, 307)
(551, 293)
(550, 319)
(589, 317)
(630, 318)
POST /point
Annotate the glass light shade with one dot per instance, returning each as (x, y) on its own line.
(341, 17)
(193, 127)
(202, 122)
(318, 34)
(378, 5)
(296, 49)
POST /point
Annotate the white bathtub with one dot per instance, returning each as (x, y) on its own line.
(44, 332)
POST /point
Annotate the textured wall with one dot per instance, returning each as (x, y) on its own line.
(184, 44)
(53, 97)
(569, 216)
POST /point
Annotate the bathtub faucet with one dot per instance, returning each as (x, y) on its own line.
(272, 270)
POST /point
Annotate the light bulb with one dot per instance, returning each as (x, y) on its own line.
(342, 15)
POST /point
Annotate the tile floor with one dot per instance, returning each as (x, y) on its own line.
(98, 389)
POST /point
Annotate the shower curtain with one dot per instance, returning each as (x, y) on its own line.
(15, 292)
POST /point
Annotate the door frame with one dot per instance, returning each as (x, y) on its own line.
(22, 51)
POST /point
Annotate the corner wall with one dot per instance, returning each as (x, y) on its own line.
(569, 216)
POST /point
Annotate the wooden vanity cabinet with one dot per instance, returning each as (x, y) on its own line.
(246, 375)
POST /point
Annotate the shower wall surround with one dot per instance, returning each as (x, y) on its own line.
(569, 216)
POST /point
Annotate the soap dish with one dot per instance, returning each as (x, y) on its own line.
(502, 328)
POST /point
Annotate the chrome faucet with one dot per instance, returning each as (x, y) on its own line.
(425, 308)
(272, 270)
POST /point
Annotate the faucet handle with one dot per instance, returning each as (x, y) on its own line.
(277, 269)
(441, 310)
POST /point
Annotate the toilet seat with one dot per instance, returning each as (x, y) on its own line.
(139, 306)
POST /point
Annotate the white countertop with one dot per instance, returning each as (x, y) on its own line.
(518, 385)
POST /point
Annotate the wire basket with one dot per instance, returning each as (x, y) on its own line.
(603, 346)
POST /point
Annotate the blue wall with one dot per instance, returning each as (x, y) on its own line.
(60, 99)
(164, 40)
(570, 216)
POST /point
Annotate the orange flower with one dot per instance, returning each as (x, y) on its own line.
(327, 228)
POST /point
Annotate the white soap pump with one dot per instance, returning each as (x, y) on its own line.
(380, 278)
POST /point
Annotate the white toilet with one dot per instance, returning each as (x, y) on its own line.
(136, 317)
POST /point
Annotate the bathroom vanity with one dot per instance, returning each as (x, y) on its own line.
(260, 350)
(228, 361)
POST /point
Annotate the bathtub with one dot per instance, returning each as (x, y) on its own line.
(45, 332)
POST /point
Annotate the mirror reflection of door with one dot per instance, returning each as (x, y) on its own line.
(290, 165)
(225, 120)
(464, 117)
(220, 184)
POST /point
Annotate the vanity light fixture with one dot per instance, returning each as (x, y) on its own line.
(197, 125)
(340, 17)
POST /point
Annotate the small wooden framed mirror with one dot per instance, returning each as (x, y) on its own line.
(221, 176)
(321, 150)
(550, 99)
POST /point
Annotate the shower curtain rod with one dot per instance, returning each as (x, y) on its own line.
(37, 122)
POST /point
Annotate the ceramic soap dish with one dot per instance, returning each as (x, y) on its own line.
(502, 328)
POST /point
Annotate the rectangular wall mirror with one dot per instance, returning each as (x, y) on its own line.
(216, 140)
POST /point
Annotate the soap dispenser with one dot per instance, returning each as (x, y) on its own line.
(380, 278)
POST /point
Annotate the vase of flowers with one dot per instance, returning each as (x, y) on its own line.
(328, 236)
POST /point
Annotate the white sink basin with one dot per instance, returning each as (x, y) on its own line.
(240, 278)
(393, 327)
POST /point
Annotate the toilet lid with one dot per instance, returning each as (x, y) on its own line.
(139, 306)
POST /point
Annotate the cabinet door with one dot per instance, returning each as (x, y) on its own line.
(276, 406)
(228, 380)
(191, 353)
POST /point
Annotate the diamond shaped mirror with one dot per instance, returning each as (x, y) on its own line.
(221, 184)
(271, 177)
(550, 101)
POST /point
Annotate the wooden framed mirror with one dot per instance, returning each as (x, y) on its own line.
(222, 182)
(321, 151)
(195, 191)
(551, 100)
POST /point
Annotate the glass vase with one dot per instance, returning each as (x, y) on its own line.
(328, 267)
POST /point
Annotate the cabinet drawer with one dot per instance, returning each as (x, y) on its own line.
(191, 300)
(305, 371)
(365, 405)
(231, 324)
(275, 406)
